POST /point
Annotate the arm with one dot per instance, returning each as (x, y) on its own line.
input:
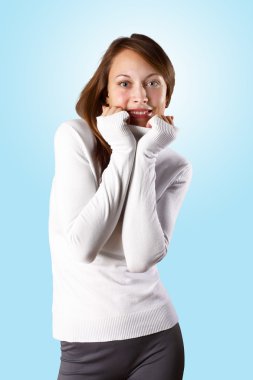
(147, 224)
(87, 214)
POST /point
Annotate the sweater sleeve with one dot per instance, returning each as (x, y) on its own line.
(148, 224)
(87, 214)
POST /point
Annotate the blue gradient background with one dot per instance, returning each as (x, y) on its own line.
(49, 51)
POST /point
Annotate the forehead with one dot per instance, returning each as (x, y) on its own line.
(127, 62)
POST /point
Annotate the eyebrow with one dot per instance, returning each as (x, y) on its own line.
(125, 75)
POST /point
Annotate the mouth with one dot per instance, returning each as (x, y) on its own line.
(140, 113)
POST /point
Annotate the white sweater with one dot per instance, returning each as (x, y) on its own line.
(107, 233)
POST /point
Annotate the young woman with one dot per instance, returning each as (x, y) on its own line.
(116, 193)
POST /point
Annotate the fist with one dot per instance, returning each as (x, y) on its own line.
(110, 110)
(168, 119)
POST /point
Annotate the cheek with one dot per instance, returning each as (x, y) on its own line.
(158, 98)
(159, 103)
(119, 97)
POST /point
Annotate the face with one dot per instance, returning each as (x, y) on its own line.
(134, 84)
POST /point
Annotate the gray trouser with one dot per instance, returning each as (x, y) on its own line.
(158, 356)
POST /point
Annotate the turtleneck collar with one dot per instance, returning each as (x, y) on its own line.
(138, 131)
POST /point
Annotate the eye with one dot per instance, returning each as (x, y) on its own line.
(123, 82)
(155, 81)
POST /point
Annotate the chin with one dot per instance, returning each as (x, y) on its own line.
(139, 122)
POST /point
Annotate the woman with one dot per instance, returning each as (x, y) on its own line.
(115, 197)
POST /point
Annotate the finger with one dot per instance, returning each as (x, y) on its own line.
(105, 110)
(113, 109)
(170, 119)
(118, 109)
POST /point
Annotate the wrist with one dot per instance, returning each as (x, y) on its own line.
(160, 125)
(116, 120)
(115, 131)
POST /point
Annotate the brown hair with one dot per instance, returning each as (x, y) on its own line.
(93, 95)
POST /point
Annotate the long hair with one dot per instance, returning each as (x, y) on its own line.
(93, 95)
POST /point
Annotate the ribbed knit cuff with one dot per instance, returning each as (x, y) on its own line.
(115, 130)
(161, 134)
(163, 127)
(116, 120)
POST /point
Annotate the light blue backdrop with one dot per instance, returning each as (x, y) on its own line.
(49, 51)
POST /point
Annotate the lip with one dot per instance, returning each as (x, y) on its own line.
(139, 109)
(148, 112)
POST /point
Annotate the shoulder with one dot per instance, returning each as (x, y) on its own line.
(174, 164)
(75, 131)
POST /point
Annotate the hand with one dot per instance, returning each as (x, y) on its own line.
(111, 110)
(163, 132)
(168, 119)
(112, 125)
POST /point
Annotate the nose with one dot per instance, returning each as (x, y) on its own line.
(139, 94)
